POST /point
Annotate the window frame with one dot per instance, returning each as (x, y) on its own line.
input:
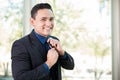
(115, 20)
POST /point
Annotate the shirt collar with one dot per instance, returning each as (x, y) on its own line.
(41, 38)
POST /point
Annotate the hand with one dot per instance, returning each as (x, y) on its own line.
(52, 57)
(56, 44)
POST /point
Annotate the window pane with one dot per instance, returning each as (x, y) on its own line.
(10, 30)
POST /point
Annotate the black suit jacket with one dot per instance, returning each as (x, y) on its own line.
(28, 56)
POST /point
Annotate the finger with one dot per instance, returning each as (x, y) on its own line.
(51, 42)
(49, 39)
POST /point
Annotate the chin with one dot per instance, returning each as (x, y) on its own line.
(47, 35)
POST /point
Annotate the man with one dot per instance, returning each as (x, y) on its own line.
(39, 56)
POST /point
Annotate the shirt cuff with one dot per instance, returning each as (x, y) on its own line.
(64, 56)
(46, 67)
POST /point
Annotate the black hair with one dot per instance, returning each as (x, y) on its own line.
(40, 6)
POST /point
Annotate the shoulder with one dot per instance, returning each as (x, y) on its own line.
(21, 41)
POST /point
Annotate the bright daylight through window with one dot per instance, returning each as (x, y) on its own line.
(11, 29)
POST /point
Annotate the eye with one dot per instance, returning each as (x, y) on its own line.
(52, 19)
(43, 19)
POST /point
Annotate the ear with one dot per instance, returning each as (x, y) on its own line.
(32, 21)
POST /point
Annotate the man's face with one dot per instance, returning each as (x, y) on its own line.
(44, 22)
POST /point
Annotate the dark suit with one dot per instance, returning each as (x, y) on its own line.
(28, 56)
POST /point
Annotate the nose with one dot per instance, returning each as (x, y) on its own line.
(48, 23)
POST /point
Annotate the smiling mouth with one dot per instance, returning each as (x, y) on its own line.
(49, 29)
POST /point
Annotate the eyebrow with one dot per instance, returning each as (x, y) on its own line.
(47, 17)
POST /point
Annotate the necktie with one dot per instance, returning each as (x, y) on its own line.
(47, 46)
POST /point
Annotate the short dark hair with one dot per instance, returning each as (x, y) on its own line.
(40, 6)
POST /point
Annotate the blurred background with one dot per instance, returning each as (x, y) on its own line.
(87, 29)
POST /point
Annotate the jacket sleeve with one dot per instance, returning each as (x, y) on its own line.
(67, 62)
(21, 65)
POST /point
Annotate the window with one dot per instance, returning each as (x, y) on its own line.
(10, 29)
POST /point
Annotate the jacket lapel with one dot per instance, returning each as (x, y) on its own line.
(38, 47)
